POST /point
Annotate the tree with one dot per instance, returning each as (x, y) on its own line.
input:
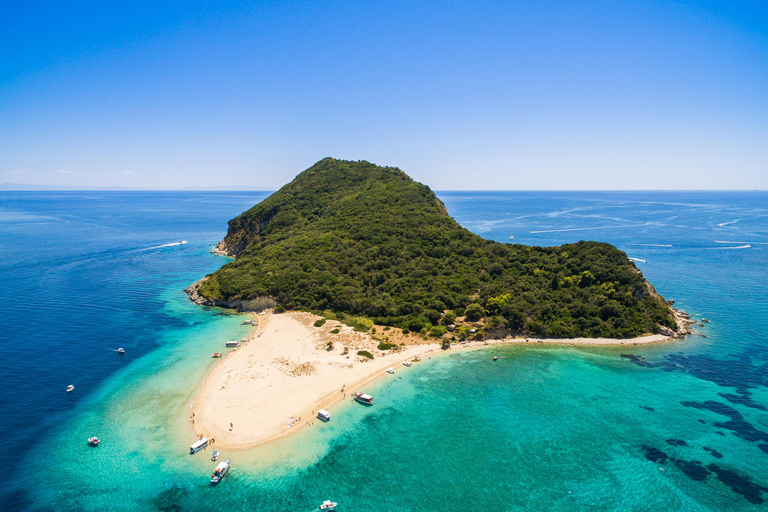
(474, 312)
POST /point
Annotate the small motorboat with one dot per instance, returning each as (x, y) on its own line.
(416, 359)
(328, 505)
(495, 358)
(94, 441)
(70, 388)
(406, 363)
(121, 350)
(363, 398)
(183, 242)
(220, 471)
(390, 371)
(216, 354)
(215, 455)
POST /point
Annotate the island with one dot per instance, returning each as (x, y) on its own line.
(354, 268)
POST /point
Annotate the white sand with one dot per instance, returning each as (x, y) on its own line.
(285, 372)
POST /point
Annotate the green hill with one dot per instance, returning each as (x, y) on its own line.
(356, 238)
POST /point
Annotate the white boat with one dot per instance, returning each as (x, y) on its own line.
(94, 441)
(215, 455)
(406, 363)
(231, 344)
(220, 471)
(121, 350)
(390, 371)
(324, 415)
(198, 445)
(328, 505)
(183, 242)
(495, 358)
(364, 399)
(70, 388)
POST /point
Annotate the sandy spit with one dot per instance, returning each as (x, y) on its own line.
(285, 373)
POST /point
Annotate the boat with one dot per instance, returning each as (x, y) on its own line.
(495, 358)
(216, 354)
(121, 350)
(364, 399)
(198, 445)
(215, 455)
(231, 344)
(94, 441)
(416, 359)
(183, 242)
(390, 371)
(324, 415)
(328, 505)
(70, 388)
(406, 363)
(220, 471)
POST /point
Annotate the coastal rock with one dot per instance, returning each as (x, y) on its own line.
(251, 305)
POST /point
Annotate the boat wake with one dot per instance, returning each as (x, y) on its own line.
(746, 246)
(638, 259)
(166, 245)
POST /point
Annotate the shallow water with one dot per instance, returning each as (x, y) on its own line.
(676, 426)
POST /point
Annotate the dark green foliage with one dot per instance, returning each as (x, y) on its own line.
(320, 323)
(366, 242)
(335, 331)
(365, 353)
(280, 309)
(474, 312)
(448, 318)
(385, 346)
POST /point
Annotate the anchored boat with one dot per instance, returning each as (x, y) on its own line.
(215, 455)
(94, 441)
(199, 445)
(364, 399)
(220, 471)
(70, 388)
(328, 505)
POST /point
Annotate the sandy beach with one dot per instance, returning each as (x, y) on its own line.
(275, 383)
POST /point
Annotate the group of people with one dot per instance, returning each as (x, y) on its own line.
(210, 441)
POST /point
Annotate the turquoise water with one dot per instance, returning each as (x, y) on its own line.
(677, 426)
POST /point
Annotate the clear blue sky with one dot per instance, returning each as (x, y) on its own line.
(460, 95)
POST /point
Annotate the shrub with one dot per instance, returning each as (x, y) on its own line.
(384, 346)
(320, 323)
(279, 309)
(359, 323)
(365, 353)
(437, 331)
(406, 330)
(373, 330)
(335, 331)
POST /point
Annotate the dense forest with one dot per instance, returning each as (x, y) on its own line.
(356, 238)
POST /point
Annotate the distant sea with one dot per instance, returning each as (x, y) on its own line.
(675, 426)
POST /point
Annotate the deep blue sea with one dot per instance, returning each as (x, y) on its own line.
(676, 426)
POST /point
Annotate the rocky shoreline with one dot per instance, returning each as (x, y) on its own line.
(250, 305)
